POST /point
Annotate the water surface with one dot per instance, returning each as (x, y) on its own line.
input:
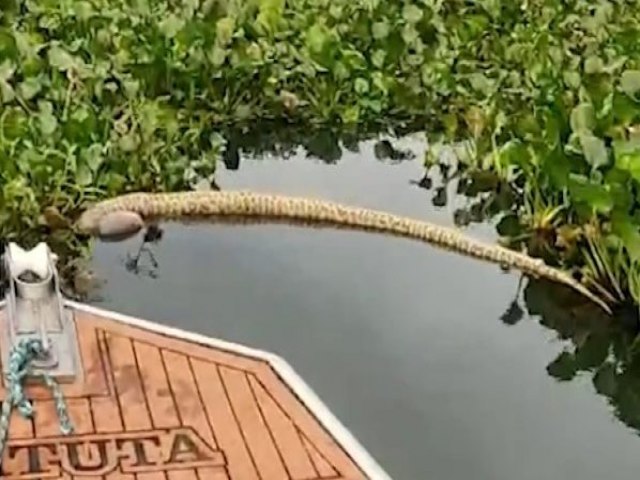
(403, 341)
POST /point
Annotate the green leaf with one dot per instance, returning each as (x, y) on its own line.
(630, 82)
(412, 13)
(46, 120)
(373, 105)
(83, 176)
(620, 184)
(351, 114)
(627, 157)
(583, 118)
(361, 86)
(593, 65)
(317, 37)
(340, 71)
(6, 92)
(7, 69)
(593, 194)
(92, 156)
(171, 25)
(30, 88)
(83, 10)
(409, 34)
(217, 56)
(572, 79)
(14, 124)
(379, 82)
(80, 114)
(270, 13)
(480, 83)
(60, 58)
(594, 149)
(128, 142)
(380, 30)
(415, 60)
(131, 88)
(336, 11)
(629, 233)
(377, 59)
(224, 30)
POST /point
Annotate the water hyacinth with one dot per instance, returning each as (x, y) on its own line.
(101, 97)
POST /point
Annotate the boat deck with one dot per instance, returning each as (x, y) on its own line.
(157, 403)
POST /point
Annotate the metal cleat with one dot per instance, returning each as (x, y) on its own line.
(36, 308)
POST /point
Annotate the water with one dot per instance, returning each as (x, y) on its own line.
(403, 341)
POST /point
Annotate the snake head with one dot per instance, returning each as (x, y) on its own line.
(111, 225)
(89, 222)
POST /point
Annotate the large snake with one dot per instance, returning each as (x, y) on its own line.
(250, 205)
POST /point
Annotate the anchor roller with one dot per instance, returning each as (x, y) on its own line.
(36, 308)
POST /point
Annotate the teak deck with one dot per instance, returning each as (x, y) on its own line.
(156, 403)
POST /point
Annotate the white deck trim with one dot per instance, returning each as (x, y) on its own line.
(311, 400)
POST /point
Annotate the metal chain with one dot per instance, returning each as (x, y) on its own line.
(20, 359)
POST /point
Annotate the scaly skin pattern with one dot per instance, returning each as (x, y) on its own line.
(263, 205)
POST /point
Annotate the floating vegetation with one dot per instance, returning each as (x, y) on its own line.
(103, 97)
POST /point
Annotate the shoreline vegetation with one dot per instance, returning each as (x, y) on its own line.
(540, 101)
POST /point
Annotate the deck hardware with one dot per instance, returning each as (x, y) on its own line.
(36, 308)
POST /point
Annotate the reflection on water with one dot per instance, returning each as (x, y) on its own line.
(438, 363)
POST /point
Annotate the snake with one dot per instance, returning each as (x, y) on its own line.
(251, 205)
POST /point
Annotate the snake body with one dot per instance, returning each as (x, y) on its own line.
(244, 204)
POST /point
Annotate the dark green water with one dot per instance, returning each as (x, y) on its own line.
(404, 342)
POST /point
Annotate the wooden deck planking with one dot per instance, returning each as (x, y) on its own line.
(316, 435)
(324, 468)
(131, 396)
(255, 432)
(223, 422)
(159, 397)
(155, 386)
(82, 418)
(46, 423)
(285, 435)
(106, 411)
(92, 357)
(141, 389)
(20, 427)
(190, 409)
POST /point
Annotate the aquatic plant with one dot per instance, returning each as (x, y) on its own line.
(101, 97)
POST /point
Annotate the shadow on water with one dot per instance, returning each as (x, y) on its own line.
(325, 144)
(598, 347)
